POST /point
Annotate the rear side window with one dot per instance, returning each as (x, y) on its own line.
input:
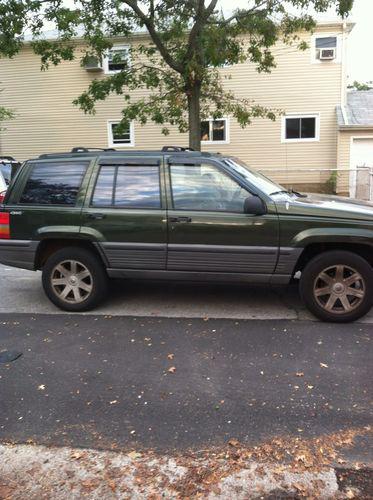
(54, 183)
(127, 186)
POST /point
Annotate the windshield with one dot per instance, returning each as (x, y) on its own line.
(257, 179)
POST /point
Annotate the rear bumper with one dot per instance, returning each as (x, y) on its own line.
(18, 253)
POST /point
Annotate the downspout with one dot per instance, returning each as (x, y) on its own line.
(343, 96)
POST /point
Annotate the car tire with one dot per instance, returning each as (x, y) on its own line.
(74, 279)
(337, 286)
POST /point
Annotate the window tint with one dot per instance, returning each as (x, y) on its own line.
(103, 195)
(205, 187)
(301, 128)
(128, 187)
(54, 183)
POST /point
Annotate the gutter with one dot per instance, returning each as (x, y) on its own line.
(355, 127)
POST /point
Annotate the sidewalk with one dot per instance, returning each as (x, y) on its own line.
(283, 468)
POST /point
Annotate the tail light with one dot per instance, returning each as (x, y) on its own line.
(2, 196)
(4, 226)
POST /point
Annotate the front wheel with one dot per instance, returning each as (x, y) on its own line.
(337, 286)
(74, 279)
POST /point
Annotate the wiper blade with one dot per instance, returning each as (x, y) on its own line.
(282, 191)
(300, 195)
(289, 191)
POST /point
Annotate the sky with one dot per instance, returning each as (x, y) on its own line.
(360, 41)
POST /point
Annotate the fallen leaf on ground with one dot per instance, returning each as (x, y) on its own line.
(323, 365)
(134, 455)
(172, 369)
(115, 401)
(299, 374)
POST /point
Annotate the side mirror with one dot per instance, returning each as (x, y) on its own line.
(254, 205)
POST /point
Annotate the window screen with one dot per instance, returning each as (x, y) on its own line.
(128, 187)
(54, 183)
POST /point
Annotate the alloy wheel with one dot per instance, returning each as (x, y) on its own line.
(71, 281)
(339, 289)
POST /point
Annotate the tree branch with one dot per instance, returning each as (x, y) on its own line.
(202, 15)
(154, 36)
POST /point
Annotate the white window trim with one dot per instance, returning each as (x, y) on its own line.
(111, 144)
(227, 130)
(105, 60)
(338, 49)
(301, 115)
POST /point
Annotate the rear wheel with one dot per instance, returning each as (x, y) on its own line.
(337, 286)
(74, 279)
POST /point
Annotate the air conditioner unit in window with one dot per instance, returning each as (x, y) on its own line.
(93, 64)
(327, 54)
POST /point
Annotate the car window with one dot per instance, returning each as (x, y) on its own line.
(128, 186)
(205, 187)
(53, 183)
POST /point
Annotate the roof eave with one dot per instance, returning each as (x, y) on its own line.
(355, 127)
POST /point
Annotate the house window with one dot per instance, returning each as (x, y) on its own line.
(325, 42)
(122, 137)
(300, 128)
(214, 130)
(117, 59)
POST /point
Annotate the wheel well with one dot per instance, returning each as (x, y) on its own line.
(49, 246)
(365, 251)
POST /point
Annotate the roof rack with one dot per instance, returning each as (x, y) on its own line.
(82, 149)
(175, 149)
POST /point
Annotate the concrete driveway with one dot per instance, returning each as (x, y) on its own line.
(21, 292)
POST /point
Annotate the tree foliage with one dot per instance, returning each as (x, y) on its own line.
(5, 114)
(189, 40)
(361, 85)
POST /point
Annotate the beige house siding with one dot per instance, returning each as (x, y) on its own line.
(48, 122)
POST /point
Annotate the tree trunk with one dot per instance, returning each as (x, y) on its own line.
(194, 112)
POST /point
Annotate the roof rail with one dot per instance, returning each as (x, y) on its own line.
(82, 149)
(175, 149)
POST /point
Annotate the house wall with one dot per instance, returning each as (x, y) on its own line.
(48, 122)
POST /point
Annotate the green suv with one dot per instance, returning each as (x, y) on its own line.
(90, 215)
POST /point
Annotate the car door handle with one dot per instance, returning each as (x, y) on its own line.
(96, 216)
(181, 219)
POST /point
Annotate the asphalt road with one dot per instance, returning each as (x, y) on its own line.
(166, 383)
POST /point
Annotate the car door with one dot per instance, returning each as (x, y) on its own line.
(208, 229)
(125, 212)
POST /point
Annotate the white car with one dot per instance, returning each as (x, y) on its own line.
(3, 187)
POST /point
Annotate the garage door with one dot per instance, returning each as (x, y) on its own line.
(361, 155)
(362, 152)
